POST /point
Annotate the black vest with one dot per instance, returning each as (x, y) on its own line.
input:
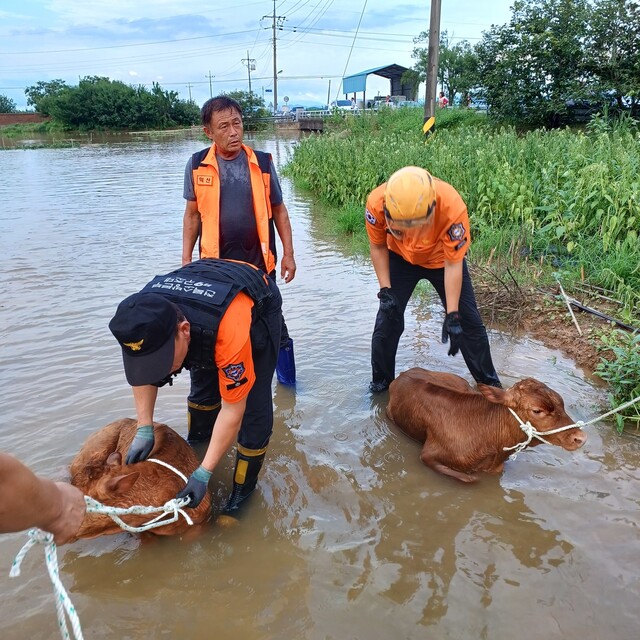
(204, 290)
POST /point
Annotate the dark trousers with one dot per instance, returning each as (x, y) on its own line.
(257, 422)
(284, 332)
(390, 326)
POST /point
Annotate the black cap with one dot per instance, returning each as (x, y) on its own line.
(145, 326)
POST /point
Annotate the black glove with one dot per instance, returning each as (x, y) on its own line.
(142, 444)
(196, 488)
(451, 330)
(388, 301)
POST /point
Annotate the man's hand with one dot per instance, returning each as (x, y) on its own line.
(452, 331)
(142, 444)
(196, 488)
(287, 268)
(73, 508)
(388, 301)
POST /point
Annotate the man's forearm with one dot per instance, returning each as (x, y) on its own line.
(380, 260)
(190, 232)
(283, 227)
(225, 432)
(452, 285)
(29, 501)
(144, 398)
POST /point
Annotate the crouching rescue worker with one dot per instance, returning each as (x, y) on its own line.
(418, 228)
(222, 318)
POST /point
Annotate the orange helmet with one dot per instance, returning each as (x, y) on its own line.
(410, 196)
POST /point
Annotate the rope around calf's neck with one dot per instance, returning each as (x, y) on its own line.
(531, 432)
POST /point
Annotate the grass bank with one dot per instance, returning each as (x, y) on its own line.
(547, 205)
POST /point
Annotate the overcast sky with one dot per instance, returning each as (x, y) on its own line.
(181, 43)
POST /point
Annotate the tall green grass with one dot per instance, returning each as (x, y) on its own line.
(568, 199)
(573, 194)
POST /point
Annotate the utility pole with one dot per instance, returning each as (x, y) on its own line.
(189, 86)
(251, 66)
(210, 87)
(276, 24)
(432, 67)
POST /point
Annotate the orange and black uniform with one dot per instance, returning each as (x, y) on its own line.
(412, 259)
(207, 191)
(234, 310)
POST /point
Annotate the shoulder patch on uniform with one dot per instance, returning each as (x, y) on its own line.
(370, 218)
(234, 371)
(456, 231)
(206, 181)
(461, 244)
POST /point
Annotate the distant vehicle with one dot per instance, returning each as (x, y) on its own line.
(383, 104)
(412, 104)
(343, 105)
(478, 103)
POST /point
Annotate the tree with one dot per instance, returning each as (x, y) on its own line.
(40, 94)
(411, 78)
(252, 106)
(532, 66)
(457, 65)
(7, 105)
(100, 103)
(613, 50)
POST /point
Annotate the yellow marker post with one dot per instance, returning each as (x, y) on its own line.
(428, 127)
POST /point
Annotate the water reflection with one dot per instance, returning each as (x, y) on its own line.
(349, 535)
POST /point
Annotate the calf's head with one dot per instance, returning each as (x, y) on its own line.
(113, 484)
(542, 407)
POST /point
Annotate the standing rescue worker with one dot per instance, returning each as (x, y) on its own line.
(418, 228)
(233, 201)
(224, 318)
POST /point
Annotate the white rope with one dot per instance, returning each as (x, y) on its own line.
(531, 432)
(168, 466)
(63, 602)
(172, 506)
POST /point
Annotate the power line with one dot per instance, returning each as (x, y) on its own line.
(123, 46)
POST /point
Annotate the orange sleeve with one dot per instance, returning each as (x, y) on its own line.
(233, 355)
(374, 216)
(454, 222)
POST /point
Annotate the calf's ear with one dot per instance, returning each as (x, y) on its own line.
(492, 394)
(114, 459)
(121, 484)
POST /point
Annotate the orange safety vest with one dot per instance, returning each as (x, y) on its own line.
(206, 184)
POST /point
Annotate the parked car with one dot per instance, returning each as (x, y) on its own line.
(383, 104)
(412, 104)
(343, 105)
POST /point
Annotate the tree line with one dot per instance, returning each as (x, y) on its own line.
(100, 103)
(554, 61)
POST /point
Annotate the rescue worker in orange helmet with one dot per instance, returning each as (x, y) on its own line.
(224, 318)
(234, 207)
(418, 228)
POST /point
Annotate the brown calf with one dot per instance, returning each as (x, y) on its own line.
(464, 431)
(98, 471)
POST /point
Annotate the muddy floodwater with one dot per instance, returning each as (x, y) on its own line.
(349, 536)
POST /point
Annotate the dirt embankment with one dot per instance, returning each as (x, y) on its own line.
(21, 118)
(544, 315)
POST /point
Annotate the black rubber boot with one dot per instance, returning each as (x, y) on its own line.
(200, 421)
(245, 477)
